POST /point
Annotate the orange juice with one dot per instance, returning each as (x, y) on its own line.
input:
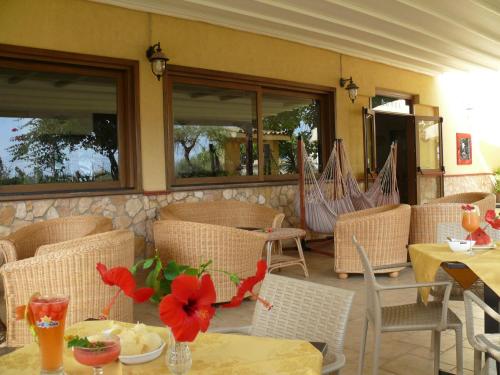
(49, 315)
(470, 221)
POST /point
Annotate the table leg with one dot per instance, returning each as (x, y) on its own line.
(490, 324)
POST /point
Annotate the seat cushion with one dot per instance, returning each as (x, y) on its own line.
(416, 316)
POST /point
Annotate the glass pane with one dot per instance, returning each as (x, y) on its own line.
(285, 118)
(428, 144)
(215, 131)
(388, 104)
(429, 187)
(57, 128)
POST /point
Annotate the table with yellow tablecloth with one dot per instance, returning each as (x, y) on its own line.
(427, 258)
(213, 354)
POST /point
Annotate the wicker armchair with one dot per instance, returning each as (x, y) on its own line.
(228, 213)
(230, 249)
(24, 242)
(68, 268)
(384, 233)
(303, 310)
(425, 218)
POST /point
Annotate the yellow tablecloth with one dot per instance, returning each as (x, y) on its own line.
(427, 258)
(213, 354)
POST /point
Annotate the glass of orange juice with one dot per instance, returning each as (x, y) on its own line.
(49, 316)
(470, 221)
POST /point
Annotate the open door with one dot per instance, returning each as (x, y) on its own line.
(429, 147)
(369, 142)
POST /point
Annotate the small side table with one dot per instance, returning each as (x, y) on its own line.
(279, 260)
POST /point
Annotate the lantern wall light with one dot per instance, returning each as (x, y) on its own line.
(352, 88)
(157, 59)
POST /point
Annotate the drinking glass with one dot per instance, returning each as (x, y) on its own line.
(49, 317)
(470, 222)
(100, 355)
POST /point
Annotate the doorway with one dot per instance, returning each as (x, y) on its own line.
(400, 129)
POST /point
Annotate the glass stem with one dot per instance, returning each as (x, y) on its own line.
(98, 371)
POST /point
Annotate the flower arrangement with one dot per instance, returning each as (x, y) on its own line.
(186, 295)
(480, 235)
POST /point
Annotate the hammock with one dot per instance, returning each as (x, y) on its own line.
(336, 191)
(385, 188)
(322, 200)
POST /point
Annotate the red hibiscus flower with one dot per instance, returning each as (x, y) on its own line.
(123, 279)
(247, 285)
(492, 219)
(188, 309)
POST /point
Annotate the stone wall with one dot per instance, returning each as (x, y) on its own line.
(463, 184)
(138, 212)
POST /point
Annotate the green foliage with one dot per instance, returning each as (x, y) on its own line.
(497, 180)
(83, 342)
(161, 276)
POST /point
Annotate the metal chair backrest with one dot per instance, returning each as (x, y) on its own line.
(303, 310)
(373, 303)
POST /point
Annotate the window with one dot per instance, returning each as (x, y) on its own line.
(226, 128)
(64, 126)
(398, 104)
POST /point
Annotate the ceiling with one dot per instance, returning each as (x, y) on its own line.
(427, 36)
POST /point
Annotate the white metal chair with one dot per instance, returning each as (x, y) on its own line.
(488, 343)
(435, 316)
(303, 310)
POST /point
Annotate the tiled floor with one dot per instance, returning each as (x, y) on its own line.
(401, 353)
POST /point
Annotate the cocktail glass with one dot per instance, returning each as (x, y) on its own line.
(49, 316)
(470, 222)
(100, 355)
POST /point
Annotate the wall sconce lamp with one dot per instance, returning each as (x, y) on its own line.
(352, 88)
(157, 59)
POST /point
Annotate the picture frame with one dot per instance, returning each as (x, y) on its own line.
(464, 149)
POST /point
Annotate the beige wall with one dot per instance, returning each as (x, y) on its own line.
(92, 28)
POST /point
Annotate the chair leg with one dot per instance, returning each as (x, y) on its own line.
(478, 355)
(437, 351)
(301, 255)
(459, 350)
(490, 366)
(376, 349)
(364, 333)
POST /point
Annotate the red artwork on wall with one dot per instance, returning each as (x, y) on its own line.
(464, 149)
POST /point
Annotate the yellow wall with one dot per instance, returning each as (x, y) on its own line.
(86, 27)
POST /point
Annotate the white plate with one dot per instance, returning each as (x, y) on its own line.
(485, 247)
(142, 358)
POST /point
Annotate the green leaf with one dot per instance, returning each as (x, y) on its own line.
(165, 287)
(234, 278)
(135, 266)
(148, 263)
(171, 271)
(150, 279)
(191, 271)
(156, 299)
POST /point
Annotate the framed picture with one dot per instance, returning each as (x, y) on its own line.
(464, 149)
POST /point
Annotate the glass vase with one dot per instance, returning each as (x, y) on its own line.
(178, 357)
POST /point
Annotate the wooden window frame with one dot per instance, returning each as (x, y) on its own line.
(261, 86)
(126, 73)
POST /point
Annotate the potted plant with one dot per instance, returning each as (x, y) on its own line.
(497, 183)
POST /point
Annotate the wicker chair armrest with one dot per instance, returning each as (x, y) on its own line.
(7, 251)
(335, 366)
(278, 220)
(244, 330)
(471, 297)
(394, 265)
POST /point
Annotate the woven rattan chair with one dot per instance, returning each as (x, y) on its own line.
(382, 230)
(230, 249)
(68, 268)
(435, 316)
(24, 242)
(303, 310)
(425, 218)
(229, 213)
(482, 343)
